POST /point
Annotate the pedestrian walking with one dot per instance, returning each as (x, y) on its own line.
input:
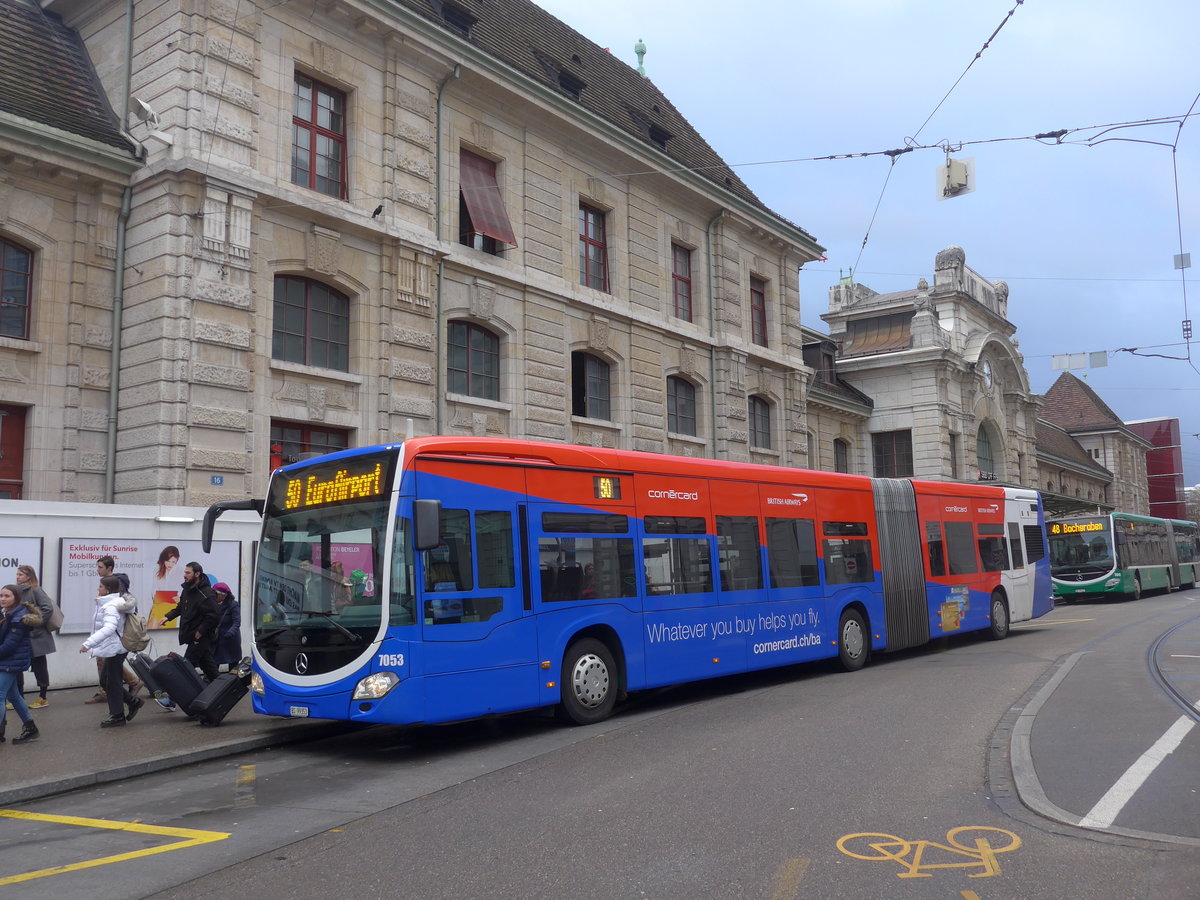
(105, 566)
(16, 620)
(198, 617)
(41, 637)
(104, 643)
(228, 651)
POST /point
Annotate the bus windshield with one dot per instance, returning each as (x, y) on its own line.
(1081, 547)
(319, 563)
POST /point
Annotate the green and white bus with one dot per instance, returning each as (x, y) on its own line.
(1122, 554)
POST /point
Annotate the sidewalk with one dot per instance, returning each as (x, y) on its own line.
(73, 751)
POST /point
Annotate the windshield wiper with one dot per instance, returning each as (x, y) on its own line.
(269, 636)
(328, 616)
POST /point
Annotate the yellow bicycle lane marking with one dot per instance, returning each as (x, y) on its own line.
(191, 838)
(910, 855)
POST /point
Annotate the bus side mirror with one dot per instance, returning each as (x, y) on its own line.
(427, 516)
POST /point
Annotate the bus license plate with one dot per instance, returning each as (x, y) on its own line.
(298, 712)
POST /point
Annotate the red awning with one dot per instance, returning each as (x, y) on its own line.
(477, 177)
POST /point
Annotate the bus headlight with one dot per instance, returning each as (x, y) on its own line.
(256, 684)
(375, 686)
(1112, 582)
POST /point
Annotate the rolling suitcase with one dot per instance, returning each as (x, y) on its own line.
(142, 665)
(179, 679)
(216, 700)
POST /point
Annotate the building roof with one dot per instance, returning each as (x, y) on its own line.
(1072, 405)
(47, 77)
(536, 44)
(1053, 441)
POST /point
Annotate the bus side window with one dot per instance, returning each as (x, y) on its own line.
(937, 552)
(1014, 543)
(738, 553)
(494, 549)
(960, 541)
(448, 566)
(991, 548)
(792, 553)
(676, 565)
(847, 555)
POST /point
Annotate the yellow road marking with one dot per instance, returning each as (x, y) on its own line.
(911, 855)
(969, 895)
(191, 838)
(786, 883)
(244, 789)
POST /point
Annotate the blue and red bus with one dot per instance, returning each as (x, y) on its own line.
(448, 578)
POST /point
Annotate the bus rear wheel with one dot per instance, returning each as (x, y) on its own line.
(588, 686)
(1000, 621)
(852, 641)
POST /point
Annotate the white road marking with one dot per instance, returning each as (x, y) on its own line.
(1105, 812)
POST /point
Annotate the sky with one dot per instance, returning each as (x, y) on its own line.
(1084, 229)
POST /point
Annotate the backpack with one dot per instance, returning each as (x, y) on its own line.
(134, 636)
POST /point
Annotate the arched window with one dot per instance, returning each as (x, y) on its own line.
(590, 386)
(16, 289)
(681, 406)
(841, 456)
(311, 324)
(760, 423)
(473, 361)
(985, 453)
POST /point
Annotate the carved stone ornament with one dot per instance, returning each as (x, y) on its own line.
(324, 250)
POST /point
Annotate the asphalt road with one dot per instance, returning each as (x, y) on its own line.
(892, 782)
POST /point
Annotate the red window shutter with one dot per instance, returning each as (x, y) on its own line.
(477, 178)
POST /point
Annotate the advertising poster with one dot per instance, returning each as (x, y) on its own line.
(154, 567)
(19, 551)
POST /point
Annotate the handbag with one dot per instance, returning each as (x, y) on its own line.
(56, 618)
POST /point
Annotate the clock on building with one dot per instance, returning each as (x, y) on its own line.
(985, 369)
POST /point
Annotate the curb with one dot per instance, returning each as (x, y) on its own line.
(37, 790)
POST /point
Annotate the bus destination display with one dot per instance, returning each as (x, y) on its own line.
(345, 481)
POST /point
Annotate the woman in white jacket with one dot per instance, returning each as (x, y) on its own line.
(105, 642)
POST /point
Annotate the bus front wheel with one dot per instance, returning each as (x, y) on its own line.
(1000, 621)
(852, 641)
(1137, 588)
(588, 686)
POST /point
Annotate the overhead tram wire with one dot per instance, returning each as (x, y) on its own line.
(911, 142)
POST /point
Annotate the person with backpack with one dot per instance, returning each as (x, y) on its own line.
(198, 617)
(105, 566)
(41, 638)
(16, 619)
(104, 643)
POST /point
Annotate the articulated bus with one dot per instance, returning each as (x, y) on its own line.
(449, 578)
(1122, 554)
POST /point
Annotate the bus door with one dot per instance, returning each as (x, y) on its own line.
(479, 643)
(581, 563)
(685, 630)
(1018, 579)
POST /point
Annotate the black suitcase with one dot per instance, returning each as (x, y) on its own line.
(216, 700)
(142, 665)
(179, 680)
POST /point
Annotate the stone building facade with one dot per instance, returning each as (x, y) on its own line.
(355, 221)
(64, 168)
(951, 396)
